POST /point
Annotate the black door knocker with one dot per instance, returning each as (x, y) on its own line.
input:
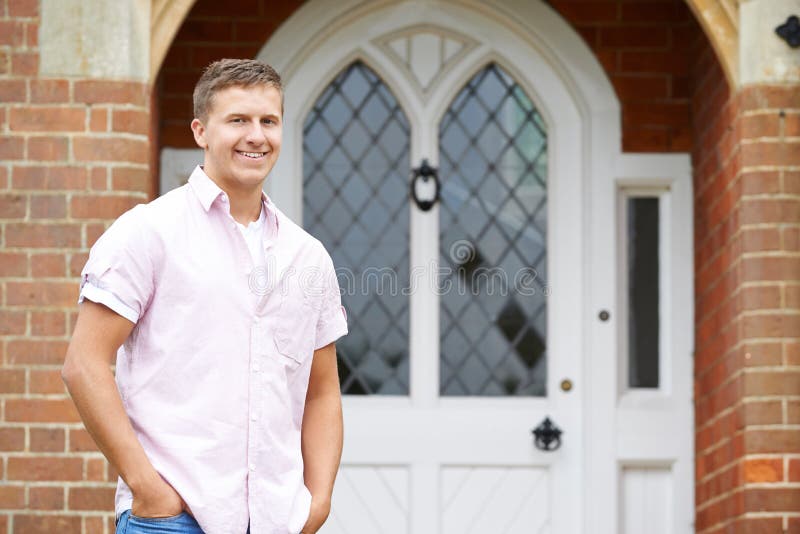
(421, 193)
(547, 436)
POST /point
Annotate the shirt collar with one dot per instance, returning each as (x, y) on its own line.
(207, 192)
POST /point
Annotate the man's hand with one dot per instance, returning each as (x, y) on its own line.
(319, 513)
(156, 499)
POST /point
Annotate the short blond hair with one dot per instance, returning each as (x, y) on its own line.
(226, 73)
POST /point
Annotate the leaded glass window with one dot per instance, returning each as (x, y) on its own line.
(493, 235)
(355, 200)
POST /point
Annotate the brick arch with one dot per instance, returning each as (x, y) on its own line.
(166, 16)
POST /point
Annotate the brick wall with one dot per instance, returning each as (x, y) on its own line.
(74, 154)
(746, 156)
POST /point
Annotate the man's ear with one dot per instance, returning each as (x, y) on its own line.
(199, 131)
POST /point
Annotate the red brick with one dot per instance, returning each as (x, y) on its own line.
(111, 92)
(763, 470)
(95, 524)
(96, 469)
(12, 91)
(47, 498)
(47, 148)
(762, 413)
(761, 297)
(12, 381)
(654, 12)
(758, 183)
(770, 325)
(12, 497)
(12, 33)
(49, 178)
(640, 87)
(13, 264)
(96, 149)
(12, 206)
(765, 268)
(48, 265)
(48, 206)
(47, 524)
(47, 119)
(771, 153)
(12, 148)
(765, 441)
(81, 441)
(45, 468)
(761, 125)
(770, 97)
(48, 323)
(772, 383)
(99, 119)
(23, 8)
(47, 439)
(760, 239)
(654, 62)
(38, 351)
(47, 381)
(131, 121)
(90, 498)
(791, 125)
(25, 63)
(130, 179)
(771, 499)
(78, 260)
(634, 37)
(45, 91)
(769, 210)
(794, 470)
(12, 439)
(36, 235)
(41, 411)
(101, 207)
(98, 179)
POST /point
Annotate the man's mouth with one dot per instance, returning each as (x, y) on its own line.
(252, 155)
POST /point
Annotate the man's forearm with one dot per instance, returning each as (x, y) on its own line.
(322, 443)
(97, 398)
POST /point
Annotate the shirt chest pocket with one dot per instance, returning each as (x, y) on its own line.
(296, 331)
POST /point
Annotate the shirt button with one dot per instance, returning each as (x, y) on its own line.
(256, 368)
(253, 418)
(252, 467)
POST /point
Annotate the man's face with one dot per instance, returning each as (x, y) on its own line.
(241, 136)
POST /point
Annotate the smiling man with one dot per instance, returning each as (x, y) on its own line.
(221, 314)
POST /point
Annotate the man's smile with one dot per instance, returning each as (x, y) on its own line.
(252, 155)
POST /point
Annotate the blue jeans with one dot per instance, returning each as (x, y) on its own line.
(179, 524)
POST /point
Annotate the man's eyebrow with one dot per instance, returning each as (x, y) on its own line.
(243, 114)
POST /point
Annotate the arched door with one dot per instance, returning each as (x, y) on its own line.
(463, 331)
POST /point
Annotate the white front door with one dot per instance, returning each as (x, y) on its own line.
(463, 332)
(473, 322)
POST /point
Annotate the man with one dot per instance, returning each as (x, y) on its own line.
(225, 417)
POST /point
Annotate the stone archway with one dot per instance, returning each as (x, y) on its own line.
(166, 16)
(720, 22)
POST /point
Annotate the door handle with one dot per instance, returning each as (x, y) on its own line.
(547, 436)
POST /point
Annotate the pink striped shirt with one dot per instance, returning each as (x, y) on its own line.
(215, 372)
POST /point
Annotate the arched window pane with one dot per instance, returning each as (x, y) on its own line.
(493, 240)
(355, 200)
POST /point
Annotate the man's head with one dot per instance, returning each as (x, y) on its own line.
(226, 73)
(238, 105)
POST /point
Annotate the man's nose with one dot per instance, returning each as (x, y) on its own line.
(255, 133)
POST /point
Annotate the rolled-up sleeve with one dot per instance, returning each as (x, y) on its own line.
(120, 271)
(332, 322)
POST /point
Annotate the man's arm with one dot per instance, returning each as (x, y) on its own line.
(98, 334)
(322, 434)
